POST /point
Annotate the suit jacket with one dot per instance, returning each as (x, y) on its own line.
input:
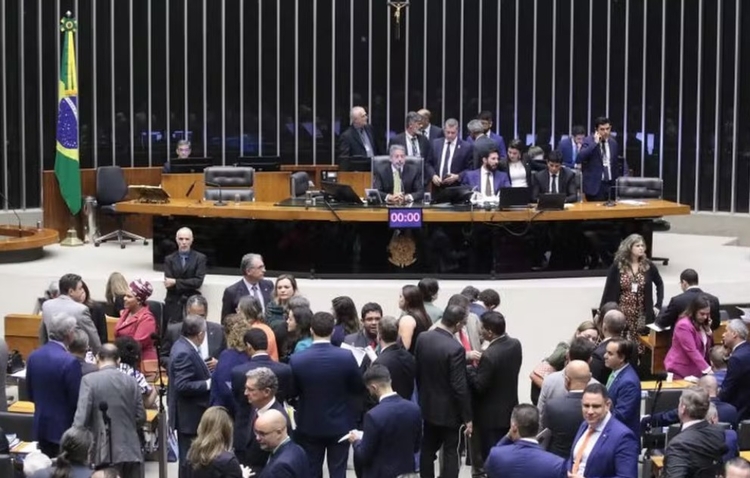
(497, 141)
(251, 454)
(402, 366)
(53, 380)
(599, 371)
(140, 326)
(243, 409)
(87, 367)
(411, 178)
(217, 341)
(473, 178)
(463, 157)
(188, 281)
(328, 382)
(480, 147)
(392, 434)
(125, 409)
(424, 144)
(221, 383)
(224, 465)
(615, 453)
(566, 149)
(64, 304)
(687, 355)
(522, 459)
(678, 304)
(505, 167)
(350, 143)
(736, 386)
(563, 417)
(566, 184)
(625, 393)
(697, 448)
(435, 132)
(189, 392)
(441, 379)
(613, 290)
(494, 382)
(238, 290)
(472, 329)
(592, 167)
(288, 461)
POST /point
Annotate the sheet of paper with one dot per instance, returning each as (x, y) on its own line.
(19, 374)
(631, 202)
(371, 353)
(359, 354)
(655, 327)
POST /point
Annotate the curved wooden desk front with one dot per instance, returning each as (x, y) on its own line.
(25, 244)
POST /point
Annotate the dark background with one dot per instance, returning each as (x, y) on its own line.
(670, 68)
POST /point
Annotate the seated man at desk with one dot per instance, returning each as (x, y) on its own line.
(487, 179)
(398, 182)
(183, 152)
(555, 179)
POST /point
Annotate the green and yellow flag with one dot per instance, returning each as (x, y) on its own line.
(67, 167)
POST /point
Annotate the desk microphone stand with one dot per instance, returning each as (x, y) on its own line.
(161, 417)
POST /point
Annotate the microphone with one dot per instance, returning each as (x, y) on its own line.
(13, 210)
(220, 202)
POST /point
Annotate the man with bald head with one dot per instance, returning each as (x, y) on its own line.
(287, 458)
(737, 468)
(613, 326)
(184, 271)
(358, 139)
(563, 414)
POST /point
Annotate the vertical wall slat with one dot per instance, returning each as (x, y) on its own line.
(644, 139)
(461, 68)
(296, 81)
(167, 116)
(553, 87)
(679, 107)
(113, 112)
(661, 93)
(223, 82)
(515, 75)
(571, 65)
(204, 47)
(186, 105)
(442, 66)
(148, 92)
(315, 82)
(699, 109)
(497, 70)
(717, 111)
(425, 34)
(260, 76)
(40, 96)
(22, 105)
(241, 47)
(624, 141)
(737, 15)
(278, 75)
(480, 57)
(609, 59)
(333, 81)
(590, 61)
(388, 77)
(131, 120)
(4, 58)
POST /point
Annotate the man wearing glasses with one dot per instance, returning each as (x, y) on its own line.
(287, 458)
(253, 283)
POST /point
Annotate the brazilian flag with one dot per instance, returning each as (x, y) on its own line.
(67, 166)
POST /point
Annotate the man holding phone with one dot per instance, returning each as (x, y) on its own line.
(600, 163)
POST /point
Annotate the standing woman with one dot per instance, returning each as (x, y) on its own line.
(251, 311)
(210, 454)
(414, 320)
(692, 339)
(298, 323)
(136, 320)
(347, 320)
(630, 283)
(114, 294)
(235, 354)
(285, 289)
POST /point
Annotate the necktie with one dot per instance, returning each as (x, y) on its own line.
(610, 379)
(184, 260)
(554, 184)
(397, 181)
(488, 184)
(365, 142)
(445, 169)
(607, 174)
(579, 454)
(255, 293)
(414, 146)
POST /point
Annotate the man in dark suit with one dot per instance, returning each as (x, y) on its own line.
(599, 162)
(182, 151)
(368, 334)
(603, 446)
(358, 139)
(399, 362)
(623, 384)
(53, 380)
(678, 304)
(563, 414)
(494, 382)
(480, 142)
(328, 382)
(518, 454)
(189, 385)
(79, 348)
(398, 182)
(485, 119)
(261, 387)
(613, 326)
(429, 131)
(443, 392)
(184, 271)
(736, 386)
(252, 283)
(488, 179)
(288, 460)
(392, 430)
(449, 157)
(256, 342)
(414, 143)
(699, 446)
(570, 147)
(214, 344)
(555, 179)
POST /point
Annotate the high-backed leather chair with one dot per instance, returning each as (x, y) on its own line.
(19, 424)
(377, 161)
(112, 188)
(235, 182)
(299, 183)
(628, 187)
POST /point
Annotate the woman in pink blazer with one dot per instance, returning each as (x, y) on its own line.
(691, 341)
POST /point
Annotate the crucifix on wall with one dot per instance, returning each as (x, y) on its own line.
(397, 7)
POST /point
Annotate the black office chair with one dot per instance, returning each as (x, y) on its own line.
(112, 188)
(20, 424)
(743, 435)
(6, 466)
(628, 187)
(299, 184)
(157, 309)
(236, 183)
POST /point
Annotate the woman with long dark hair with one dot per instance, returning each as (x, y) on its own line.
(210, 454)
(414, 320)
(298, 322)
(347, 320)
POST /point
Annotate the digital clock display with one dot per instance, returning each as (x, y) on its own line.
(403, 218)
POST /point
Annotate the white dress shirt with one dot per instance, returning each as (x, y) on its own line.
(606, 163)
(410, 145)
(517, 173)
(591, 443)
(446, 156)
(198, 349)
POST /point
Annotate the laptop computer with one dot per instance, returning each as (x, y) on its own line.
(551, 202)
(340, 193)
(513, 199)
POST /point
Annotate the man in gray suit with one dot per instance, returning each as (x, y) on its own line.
(482, 143)
(124, 407)
(69, 302)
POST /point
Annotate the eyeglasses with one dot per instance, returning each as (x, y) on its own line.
(261, 434)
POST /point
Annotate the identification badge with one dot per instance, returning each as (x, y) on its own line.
(634, 288)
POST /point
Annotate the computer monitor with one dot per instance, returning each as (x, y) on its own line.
(260, 163)
(514, 198)
(189, 165)
(355, 163)
(340, 193)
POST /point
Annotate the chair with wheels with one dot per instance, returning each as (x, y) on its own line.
(112, 188)
(229, 183)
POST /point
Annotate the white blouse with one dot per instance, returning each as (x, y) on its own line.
(517, 173)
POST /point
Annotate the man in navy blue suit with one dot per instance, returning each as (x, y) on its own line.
(53, 379)
(570, 147)
(736, 386)
(599, 162)
(603, 446)
(189, 385)
(487, 179)
(287, 460)
(449, 157)
(486, 118)
(623, 384)
(518, 454)
(256, 342)
(328, 383)
(253, 283)
(392, 430)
